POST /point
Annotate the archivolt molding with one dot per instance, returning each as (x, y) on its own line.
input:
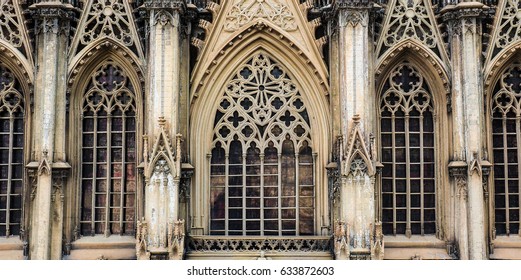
(19, 65)
(494, 68)
(420, 52)
(264, 36)
(101, 49)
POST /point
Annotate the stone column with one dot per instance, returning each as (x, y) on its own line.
(160, 231)
(356, 198)
(467, 95)
(164, 63)
(51, 37)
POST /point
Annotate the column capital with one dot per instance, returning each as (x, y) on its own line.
(354, 4)
(463, 10)
(52, 17)
(178, 5)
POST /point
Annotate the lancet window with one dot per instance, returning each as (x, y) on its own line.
(506, 133)
(262, 162)
(108, 157)
(11, 152)
(407, 141)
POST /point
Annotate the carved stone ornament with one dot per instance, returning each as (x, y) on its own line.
(458, 170)
(176, 240)
(357, 158)
(165, 17)
(161, 4)
(509, 28)
(141, 241)
(275, 11)
(377, 248)
(353, 17)
(409, 19)
(52, 17)
(341, 241)
(10, 27)
(163, 151)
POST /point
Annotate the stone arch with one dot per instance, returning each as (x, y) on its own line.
(498, 64)
(20, 66)
(424, 58)
(204, 105)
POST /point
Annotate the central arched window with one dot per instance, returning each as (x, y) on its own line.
(506, 136)
(108, 166)
(407, 141)
(262, 162)
(11, 152)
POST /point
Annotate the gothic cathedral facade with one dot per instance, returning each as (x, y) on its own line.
(239, 129)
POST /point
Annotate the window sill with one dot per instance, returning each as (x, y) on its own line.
(11, 248)
(114, 247)
(102, 242)
(11, 243)
(507, 248)
(416, 247)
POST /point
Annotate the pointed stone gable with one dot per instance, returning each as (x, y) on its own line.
(163, 150)
(410, 19)
(107, 19)
(246, 11)
(235, 20)
(12, 29)
(357, 156)
(505, 39)
(508, 27)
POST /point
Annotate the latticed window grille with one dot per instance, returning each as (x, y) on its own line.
(262, 162)
(11, 152)
(407, 141)
(506, 133)
(108, 186)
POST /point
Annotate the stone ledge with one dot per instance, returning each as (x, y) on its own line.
(102, 242)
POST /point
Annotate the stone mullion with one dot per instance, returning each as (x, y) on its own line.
(279, 191)
(108, 163)
(408, 231)
(505, 175)
(261, 192)
(518, 141)
(9, 176)
(297, 193)
(422, 163)
(393, 148)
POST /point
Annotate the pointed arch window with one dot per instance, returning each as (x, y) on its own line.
(11, 152)
(506, 136)
(262, 162)
(407, 141)
(108, 156)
